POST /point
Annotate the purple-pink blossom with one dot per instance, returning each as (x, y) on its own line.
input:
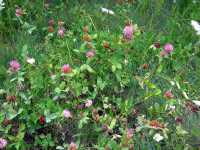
(168, 48)
(51, 22)
(14, 65)
(129, 133)
(3, 143)
(72, 146)
(88, 103)
(18, 12)
(66, 68)
(67, 113)
(128, 32)
(168, 94)
(90, 54)
(61, 32)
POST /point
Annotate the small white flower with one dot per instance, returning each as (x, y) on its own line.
(196, 26)
(2, 5)
(125, 61)
(172, 83)
(157, 137)
(116, 136)
(196, 103)
(172, 107)
(88, 103)
(108, 11)
(152, 47)
(30, 60)
(67, 113)
(53, 76)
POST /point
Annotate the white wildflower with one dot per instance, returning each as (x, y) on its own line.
(88, 103)
(172, 83)
(196, 26)
(152, 47)
(157, 137)
(2, 4)
(53, 77)
(196, 103)
(108, 11)
(172, 107)
(125, 61)
(30, 60)
(116, 136)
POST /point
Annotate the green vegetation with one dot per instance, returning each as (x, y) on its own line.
(105, 75)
